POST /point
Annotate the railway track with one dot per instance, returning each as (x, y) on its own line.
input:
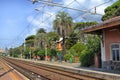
(48, 72)
(26, 72)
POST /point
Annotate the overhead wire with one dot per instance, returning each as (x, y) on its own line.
(58, 5)
(26, 28)
(79, 4)
(94, 8)
(63, 7)
(16, 39)
(57, 12)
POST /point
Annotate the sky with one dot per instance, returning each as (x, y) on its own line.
(19, 19)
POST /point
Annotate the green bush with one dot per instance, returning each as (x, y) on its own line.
(73, 52)
(87, 58)
(92, 48)
(26, 54)
(41, 53)
(53, 52)
(67, 56)
(78, 48)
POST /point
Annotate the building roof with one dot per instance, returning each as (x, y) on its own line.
(111, 23)
(61, 39)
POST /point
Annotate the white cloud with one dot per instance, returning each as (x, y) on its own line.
(66, 2)
(29, 18)
(42, 21)
(45, 21)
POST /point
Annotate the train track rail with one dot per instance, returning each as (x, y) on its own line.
(48, 72)
(26, 72)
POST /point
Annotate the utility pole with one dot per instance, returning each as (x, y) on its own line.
(45, 52)
(30, 54)
(63, 44)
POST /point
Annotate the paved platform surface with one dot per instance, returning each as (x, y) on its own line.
(8, 73)
(63, 63)
(77, 65)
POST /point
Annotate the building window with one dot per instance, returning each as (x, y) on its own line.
(115, 50)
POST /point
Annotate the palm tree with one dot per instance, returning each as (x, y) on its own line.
(51, 39)
(40, 38)
(63, 25)
(41, 30)
(63, 22)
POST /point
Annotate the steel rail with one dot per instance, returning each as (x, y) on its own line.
(52, 74)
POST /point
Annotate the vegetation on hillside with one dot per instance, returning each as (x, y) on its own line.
(112, 11)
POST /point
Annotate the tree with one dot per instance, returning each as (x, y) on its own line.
(79, 26)
(15, 52)
(92, 48)
(72, 40)
(52, 36)
(41, 30)
(63, 22)
(29, 41)
(112, 11)
(11, 51)
(64, 25)
(82, 25)
(51, 39)
(40, 38)
(78, 48)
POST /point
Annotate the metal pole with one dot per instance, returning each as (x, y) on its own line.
(63, 46)
(45, 52)
(30, 54)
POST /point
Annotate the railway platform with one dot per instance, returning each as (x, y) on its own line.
(74, 65)
(57, 70)
(9, 73)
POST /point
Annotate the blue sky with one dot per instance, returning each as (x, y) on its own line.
(13, 19)
(18, 18)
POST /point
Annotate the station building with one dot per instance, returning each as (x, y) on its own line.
(109, 32)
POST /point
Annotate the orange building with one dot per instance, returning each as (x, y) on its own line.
(59, 44)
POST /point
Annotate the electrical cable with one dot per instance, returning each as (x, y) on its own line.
(58, 5)
(95, 8)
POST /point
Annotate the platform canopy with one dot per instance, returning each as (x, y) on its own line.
(112, 24)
